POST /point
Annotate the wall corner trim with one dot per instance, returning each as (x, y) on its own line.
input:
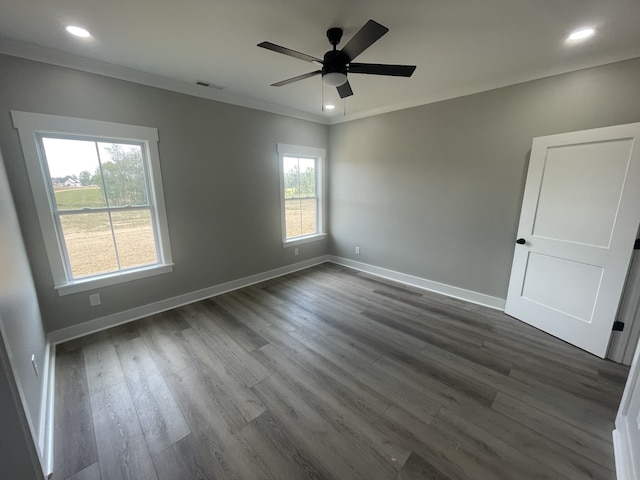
(92, 326)
(47, 410)
(442, 288)
(622, 457)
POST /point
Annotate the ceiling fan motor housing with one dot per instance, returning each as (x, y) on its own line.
(334, 70)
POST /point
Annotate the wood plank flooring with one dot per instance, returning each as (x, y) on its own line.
(330, 373)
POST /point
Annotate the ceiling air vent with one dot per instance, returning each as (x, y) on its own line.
(209, 85)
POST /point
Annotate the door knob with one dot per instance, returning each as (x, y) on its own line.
(521, 241)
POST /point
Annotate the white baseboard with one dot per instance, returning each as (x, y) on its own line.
(624, 468)
(92, 326)
(47, 409)
(448, 290)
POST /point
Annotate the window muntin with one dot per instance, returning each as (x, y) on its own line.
(301, 193)
(300, 199)
(127, 212)
(99, 196)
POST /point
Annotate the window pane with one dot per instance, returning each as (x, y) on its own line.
(307, 177)
(308, 216)
(292, 217)
(74, 173)
(291, 177)
(123, 174)
(89, 243)
(134, 238)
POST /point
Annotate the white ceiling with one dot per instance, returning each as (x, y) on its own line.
(459, 46)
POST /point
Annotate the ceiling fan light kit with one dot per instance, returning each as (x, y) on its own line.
(334, 79)
(338, 63)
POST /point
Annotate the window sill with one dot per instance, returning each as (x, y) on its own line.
(301, 240)
(113, 279)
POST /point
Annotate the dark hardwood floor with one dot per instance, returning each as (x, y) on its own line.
(332, 374)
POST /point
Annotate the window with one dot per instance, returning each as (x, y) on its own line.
(98, 193)
(301, 193)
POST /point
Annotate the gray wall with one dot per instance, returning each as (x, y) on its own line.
(435, 191)
(220, 178)
(18, 459)
(21, 335)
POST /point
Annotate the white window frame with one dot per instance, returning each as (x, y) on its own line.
(319, 154)
(32, 126)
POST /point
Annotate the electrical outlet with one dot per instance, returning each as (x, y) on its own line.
(94, 299)
(357, 250)
(296, 251)
(35, 364)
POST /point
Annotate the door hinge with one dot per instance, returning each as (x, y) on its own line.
(618, 326)
(636, 246)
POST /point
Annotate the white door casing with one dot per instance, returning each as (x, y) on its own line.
(580, 214)
(626, 436)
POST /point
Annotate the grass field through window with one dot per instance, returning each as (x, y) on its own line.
(90, 242)
(300, 216)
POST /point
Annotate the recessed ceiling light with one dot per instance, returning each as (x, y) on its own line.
(329, 107)
(78, 31)
(581, 33)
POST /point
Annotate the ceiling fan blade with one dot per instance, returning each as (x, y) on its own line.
(295, 79)
(382, 69)
(344, 90)
(362, 40)
(288, 51)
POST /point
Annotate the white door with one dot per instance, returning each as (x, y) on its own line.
(580, 214)
(626, 436)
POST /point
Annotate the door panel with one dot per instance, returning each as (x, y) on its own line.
(597, 172)
(579, 217)
(562, 285)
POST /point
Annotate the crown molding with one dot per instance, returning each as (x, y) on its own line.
(62, 59)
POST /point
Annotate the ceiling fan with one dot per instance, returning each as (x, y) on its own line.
(337, 63)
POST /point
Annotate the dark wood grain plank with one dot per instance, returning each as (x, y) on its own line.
(102, 366)
(159, 415)
(573, 438)
(73, 423)
(248, 338)
(136, 361)
(165, 351)
(212, 427)
(343, 408)
(122, 451)
(444, 388)
(410, 396)
(189, 459)
(309, 429)
(448, 458)
(303, 361)
(331, 373)
(575, 410)
(557, 457)
(489, 450)
(227, 390)
(243, 312)
(168, 322)
(273, 443)
(227, 350)
(92, 472)
(417, 468)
